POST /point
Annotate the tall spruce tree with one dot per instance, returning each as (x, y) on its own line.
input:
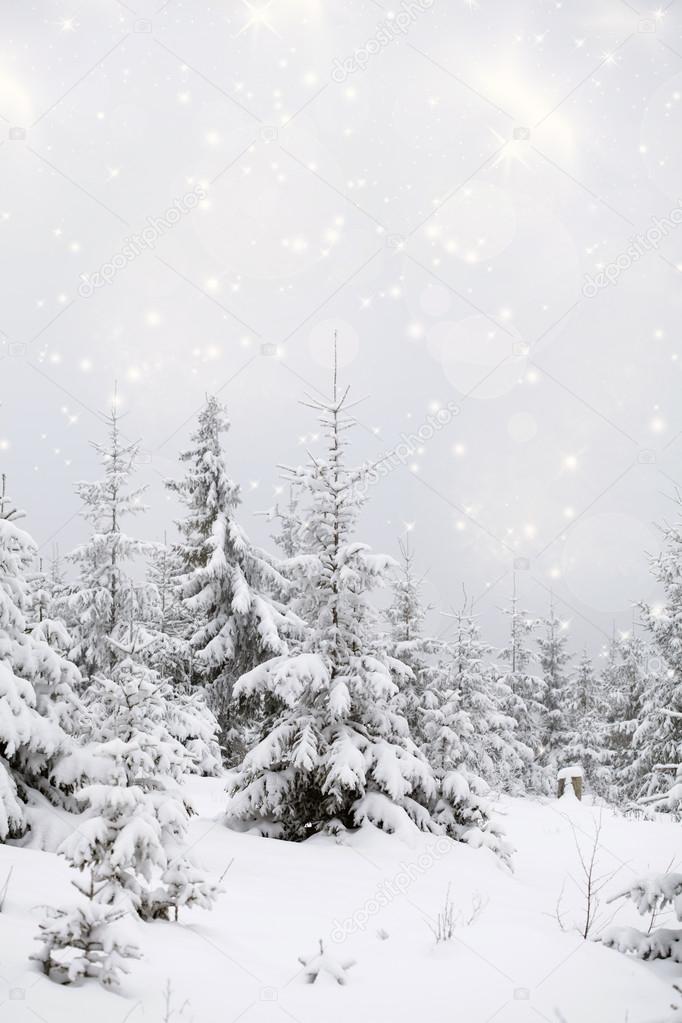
(229, 587)
(554, 660)
(585, 711)
(104, 599)
(407, 642)
(525, 696)
(336, 751)
(626, 679)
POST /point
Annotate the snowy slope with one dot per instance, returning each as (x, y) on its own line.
(513, 963)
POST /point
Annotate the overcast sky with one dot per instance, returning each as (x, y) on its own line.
(442, 183)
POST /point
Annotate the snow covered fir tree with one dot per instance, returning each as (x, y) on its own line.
(229, 588)
(336, 752)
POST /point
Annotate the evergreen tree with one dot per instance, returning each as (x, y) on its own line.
(496, 752)
(585, 712)
(525, 697)
(135, 817)
(336, 751)
(467, 738)
(166, 619)
(407, 642)
(104, 599)
(554, 660)
(229, 587)
(627, 678)
(40, 708)
(658, 736)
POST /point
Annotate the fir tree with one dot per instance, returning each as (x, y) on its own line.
(466, 738)
(497, 754)
(407, 643)
(626, 679)
(135, 817)
(585, 715)
(101, 604)
(525, 697)
(658, 736)
(336, 752)
(40, 708)
(554, 660)
(229, 587)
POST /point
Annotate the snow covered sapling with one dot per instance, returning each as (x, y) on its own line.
(82, 942)
(135, 816)
(336, 750)
(228, 586)
(321, 963)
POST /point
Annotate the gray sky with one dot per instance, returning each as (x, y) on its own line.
(434, 180)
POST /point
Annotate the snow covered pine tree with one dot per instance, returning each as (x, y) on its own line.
(229, 587)
(38, 755)
(336, 752)
(104, 601)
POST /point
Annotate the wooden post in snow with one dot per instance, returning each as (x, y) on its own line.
(574, 775)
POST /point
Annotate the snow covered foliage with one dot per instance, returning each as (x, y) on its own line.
(554, 660)
(525, 697)
(584, 713)
(336, 751)
(465, 736)
(229, 587)
(407, 641)
(83, 941)
(39, 708)
(658, 737)
(626, 679)
(651, 895)
(165, 619)
(104, 601)
(135, 817)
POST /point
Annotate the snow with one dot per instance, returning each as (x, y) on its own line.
(570, 772)
(369, 898)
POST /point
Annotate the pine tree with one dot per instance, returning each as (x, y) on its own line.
(525, 697)
(336, 752)
(407, 643)
(658, 736)
(229, 587)
(40, 708)
(166, 619)
(135, 817)
(497, 754)
(467, 739)
(101, 604)
(585, 712)
(626, 680)
(554, 660)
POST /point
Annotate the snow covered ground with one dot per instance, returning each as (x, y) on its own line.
(370, 900)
